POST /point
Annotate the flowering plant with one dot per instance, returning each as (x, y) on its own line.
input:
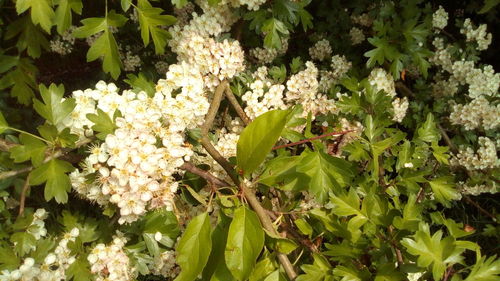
(249, 140)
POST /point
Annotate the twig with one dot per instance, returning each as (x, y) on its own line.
(55, 155)
(237, 107)
(268, 225)
(22, 200)
(204, 174)
(447, 139)
(481, 209)
(311, 139)
(399, 256)
(247, 192)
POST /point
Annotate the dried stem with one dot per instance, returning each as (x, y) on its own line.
(237, 107)
(6, 145)
(22, 200)
(311, 139)
(187, 166)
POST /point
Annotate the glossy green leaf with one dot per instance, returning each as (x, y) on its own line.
(258, 138)
(125, 4)
(274, 29)
(244, 243)
(54, 174)
(24, 242)
(194, 248)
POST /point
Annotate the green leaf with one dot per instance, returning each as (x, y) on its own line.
(141, 83)
(217, 271)
(427, 131)
(24, 242)
(22, 80)
(273, 28)
(8, 62)
(125, 4)
(57, 181)
(439, 153)
(275, 276)
(244, 243)
(54, 109)
(320, 270)
(8, 259)
(63, 15)
(258, 138)
(262, 269)
(103, 124)
(151, 244)
(79, 270)
(194, 248)
(30, 37)
(179, 3)
(485, 270)
(106, 47)
(32, 148)
(41, 12)
(3, 123)
(151, 20)
(443, 189)
(325, 172)
(432, 251)
(488, 5)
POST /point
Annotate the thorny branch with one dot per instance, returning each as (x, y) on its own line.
(248, 192)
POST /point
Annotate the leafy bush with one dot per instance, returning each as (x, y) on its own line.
(252, 140)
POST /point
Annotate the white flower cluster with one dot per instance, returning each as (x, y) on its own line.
(321, 50)
(53, 267)
(400, 106)
(165, 265)
(111, 263)
(226, 145)
(251, 4)
(340, 66)
(477, 189)
(481, 81)
(363, 19)
(130, 61)
(485, 158)
(193, 43)
(37, 226)
(267, 55)
(357, 36)
(302, 88)
(441, 55)
(476, 114)
(479, 35)
(161, 67)
(382, 81)
(63, 44)
(132, 169)
(263, 96)
(440, 18)
(444, 87)
(183, 14)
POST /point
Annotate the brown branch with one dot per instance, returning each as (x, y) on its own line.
(22, 200)
(268, 225)
(187, 166)
(481, 209)
(399, 256)
(237, 107)
(447, 139)
(314, 138)
(247, 192)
